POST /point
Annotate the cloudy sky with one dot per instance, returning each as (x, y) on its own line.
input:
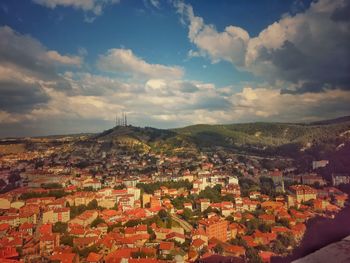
(69, 66)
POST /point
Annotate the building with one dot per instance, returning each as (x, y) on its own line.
(204, 204)
(340, 179)
(86, 218)
(303, 193)
(277, 178)
(312, 179)
(214, 227)
(48, 242)
(56, 215)
(319, 164)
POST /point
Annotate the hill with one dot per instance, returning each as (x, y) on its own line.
(259, 138)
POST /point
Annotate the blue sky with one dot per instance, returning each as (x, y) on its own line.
(241, 60)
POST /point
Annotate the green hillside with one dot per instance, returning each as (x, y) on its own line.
(259, 137)
(264, 134)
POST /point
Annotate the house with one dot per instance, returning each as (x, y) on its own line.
(303, 193)
(48, 242)
(5, 203)
(176, 237)
(214, 227)
(235, 251)
(27, 228)
(86, 218)
(65, 258)
(198, 244)
(263, 238)
(82, 242)
(93, 183)
(269, 219)
(298, 230)
(155, 202)
(8, 253)
(188, 206)
(266, 256)
(12, 220)
(56, 215)
(45, 229)
(165, 248)
(94, 258)
(29, 217)
(204, 204)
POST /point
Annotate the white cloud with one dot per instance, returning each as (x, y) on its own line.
(271, 104)
(94, 6)
(155, 3)
(309, 50)
(124, 61)
(26, 66)
(64, 60)
(229, 45)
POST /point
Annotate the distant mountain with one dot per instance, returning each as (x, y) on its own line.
(332, 121)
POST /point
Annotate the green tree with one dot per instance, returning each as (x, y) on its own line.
(60, 227)
(92, 205)
(163, 214)
(187, 214)
(287, 239)
(66, 240)
(278, 247)
(97, 221)
(133, 222)
(263, 227)
(252, 255)
(219, 249)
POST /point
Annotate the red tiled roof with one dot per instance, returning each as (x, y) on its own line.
(235, 249)
(45, 229)
(4, 226)
(166, 245)
(198, 242)
(94, 257)
(64, 257)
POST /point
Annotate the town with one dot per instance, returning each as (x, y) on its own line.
(135, 206)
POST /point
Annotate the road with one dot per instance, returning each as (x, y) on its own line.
(185, 225)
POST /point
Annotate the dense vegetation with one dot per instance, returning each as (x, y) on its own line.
(286, 139)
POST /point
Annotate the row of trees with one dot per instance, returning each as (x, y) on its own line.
(151, 187)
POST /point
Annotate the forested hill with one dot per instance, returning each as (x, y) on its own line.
(259, 137)
(268, 134)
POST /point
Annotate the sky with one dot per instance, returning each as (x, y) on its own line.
(71, 66)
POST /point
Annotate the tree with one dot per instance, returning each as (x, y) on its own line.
(51, 186)
(163, 214)
(119, 187)
(87, 250)
(92, 205)
(66, 240)
(252, 255)
(97, 221)
(287, 239)
(187, 214)
(263, 227)
(60, 227)
(283, 222)
(77, 210)
(267, 186)
(252, 225)
(278, 247)
(133, 222)
(219, 249)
